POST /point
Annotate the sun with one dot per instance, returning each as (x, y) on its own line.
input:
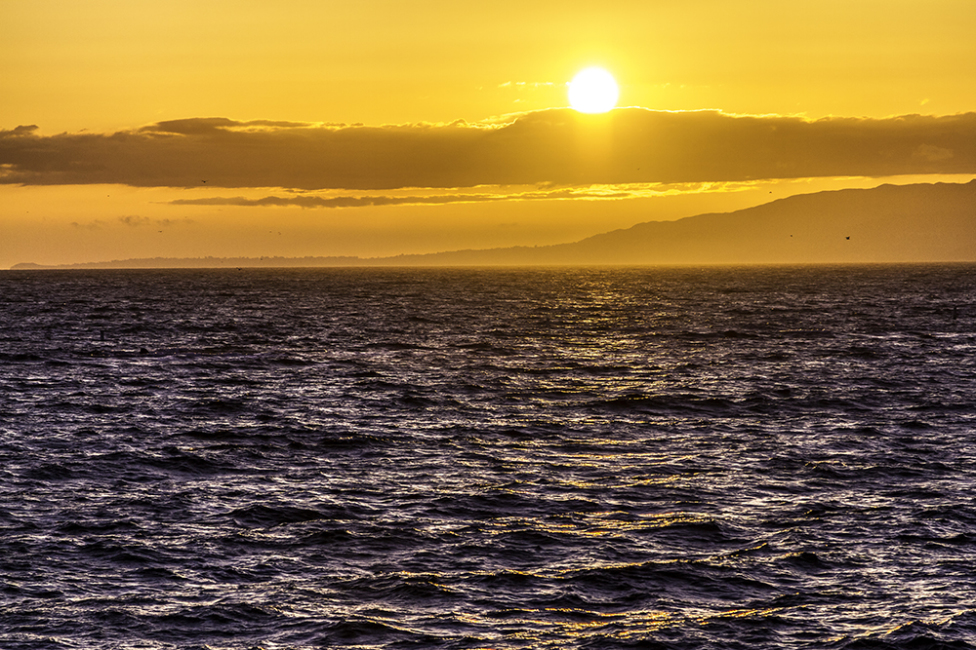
(593, 90)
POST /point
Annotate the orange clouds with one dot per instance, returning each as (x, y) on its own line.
(366, 201)
(556, 146)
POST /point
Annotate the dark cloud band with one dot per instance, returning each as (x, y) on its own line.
(556, 146)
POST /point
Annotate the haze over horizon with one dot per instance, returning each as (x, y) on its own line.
(229, 129)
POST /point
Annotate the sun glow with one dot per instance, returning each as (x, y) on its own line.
(593, 90)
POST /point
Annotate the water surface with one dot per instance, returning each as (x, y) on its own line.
(776, 457)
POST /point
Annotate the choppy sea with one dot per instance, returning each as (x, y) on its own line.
(734, 457)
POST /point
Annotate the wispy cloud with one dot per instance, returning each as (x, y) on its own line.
(364, 201)
(526, 84)
(556, 146)
(130, 221)
(135, 221)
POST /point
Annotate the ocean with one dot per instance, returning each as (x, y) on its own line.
(716, 457)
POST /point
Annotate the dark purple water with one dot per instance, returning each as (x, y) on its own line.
(588, 458)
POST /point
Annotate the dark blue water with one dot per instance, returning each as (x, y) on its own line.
(765, 457)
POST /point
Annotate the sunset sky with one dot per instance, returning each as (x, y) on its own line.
(184, 129)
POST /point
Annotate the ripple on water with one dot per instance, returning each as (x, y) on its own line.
(770, 457)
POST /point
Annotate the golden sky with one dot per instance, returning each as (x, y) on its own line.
(377, 128)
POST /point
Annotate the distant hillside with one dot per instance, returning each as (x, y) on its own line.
(890, 223)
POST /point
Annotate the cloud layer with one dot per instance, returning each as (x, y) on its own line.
(363, 201)
(556, 146)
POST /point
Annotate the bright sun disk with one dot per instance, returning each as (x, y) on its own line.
(593, 90)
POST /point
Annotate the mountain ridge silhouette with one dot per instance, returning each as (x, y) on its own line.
(923, 222)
